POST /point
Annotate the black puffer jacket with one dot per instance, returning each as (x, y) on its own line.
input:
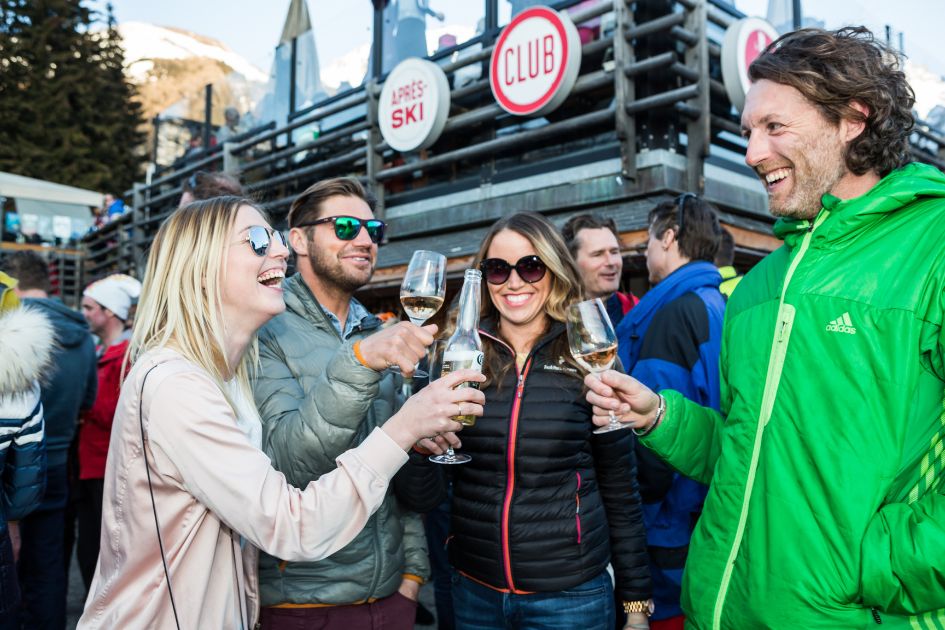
(545, 504)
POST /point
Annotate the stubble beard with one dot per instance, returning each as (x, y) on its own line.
(820, 168)
(330, 271)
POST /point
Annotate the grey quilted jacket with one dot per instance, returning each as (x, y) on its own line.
(316, 401)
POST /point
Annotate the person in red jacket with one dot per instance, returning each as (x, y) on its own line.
(595, 244)
(106, 305)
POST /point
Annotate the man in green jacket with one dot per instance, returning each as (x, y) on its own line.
(825, 465)
(321, 388)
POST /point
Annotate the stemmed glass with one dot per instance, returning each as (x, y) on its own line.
(593, 343)
(423, 290)
(436, 372)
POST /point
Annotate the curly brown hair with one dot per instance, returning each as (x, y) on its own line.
(833, 70)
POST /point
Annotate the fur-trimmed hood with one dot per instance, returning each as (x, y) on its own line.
(27, 340)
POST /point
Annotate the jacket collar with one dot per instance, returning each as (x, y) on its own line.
(27, 340)
(691, 276)
(300, 300)
(490, 327)
(847, 218)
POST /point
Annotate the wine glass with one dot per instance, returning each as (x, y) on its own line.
(593, 343)
(423, 290)
(437, 371)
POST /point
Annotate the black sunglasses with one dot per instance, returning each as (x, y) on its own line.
(531, 269)
(348, 228)
(260, 239)
(681, 206)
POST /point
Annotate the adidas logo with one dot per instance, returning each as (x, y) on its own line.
(842, 325)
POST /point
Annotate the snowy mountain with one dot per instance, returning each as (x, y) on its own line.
(170, 68)
(144, 43)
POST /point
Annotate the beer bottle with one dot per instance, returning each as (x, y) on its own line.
(464, 348)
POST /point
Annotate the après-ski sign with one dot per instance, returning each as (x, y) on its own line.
(535, 62)
(414, 105)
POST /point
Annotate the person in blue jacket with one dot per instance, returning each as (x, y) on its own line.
(671, 340)
(26, 340)
(69, 387)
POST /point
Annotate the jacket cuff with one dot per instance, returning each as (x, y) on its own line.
(345, 366)
(662, 436)
(380, 454)
(414, 578)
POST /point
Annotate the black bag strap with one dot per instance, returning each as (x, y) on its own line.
(147, 468)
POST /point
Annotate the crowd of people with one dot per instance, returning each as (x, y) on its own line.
(246, 453)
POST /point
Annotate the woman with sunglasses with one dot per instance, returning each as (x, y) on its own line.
(545, 504)
(189, 495)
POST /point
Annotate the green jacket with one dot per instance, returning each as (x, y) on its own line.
(826, 506)
(316, 401)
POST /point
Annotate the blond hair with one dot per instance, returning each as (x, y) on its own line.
(181, 304)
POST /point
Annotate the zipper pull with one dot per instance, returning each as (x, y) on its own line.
(521, 385)
(876, 617)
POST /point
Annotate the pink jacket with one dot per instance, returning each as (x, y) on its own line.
(208, 478)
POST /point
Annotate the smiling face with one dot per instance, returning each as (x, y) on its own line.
(797, 153)
(521, 304)
(599, 261)
(341, 265)
(251, 286)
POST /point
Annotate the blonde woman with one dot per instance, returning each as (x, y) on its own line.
(189, 496)
(545, 504)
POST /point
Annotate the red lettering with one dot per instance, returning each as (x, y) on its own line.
(549, 46)
(533, 66)
(397, 116)
(509, 80)
(518, 55)
(410, 114)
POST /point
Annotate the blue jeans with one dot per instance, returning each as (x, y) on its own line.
(588, 606)
(437, 526)
(41, 567)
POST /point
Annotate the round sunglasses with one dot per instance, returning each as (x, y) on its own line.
(348, 228)
(260, 239)
(531, 269)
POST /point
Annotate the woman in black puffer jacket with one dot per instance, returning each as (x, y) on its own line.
(545, 503)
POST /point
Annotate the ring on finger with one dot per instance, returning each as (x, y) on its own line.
(459, 409)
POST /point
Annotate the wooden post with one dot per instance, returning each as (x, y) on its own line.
(624, 91)
(375, 160)
(698, 130)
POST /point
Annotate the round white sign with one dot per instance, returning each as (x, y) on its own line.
(414, 105)
(744, 41)
(535, 62)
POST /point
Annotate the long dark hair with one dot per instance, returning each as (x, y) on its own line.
(566, 287)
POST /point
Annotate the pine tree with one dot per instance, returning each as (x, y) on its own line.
(66, 109)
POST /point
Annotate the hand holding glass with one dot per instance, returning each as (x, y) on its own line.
(423, 289)
(593, 343)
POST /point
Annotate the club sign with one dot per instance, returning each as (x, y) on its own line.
(535, 62)
(414, 105)
(744, 41)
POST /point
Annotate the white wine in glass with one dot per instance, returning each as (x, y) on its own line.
(420, 308)
(423, 290)
(593, 343)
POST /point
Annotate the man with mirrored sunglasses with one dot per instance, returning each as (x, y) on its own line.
(322, 386)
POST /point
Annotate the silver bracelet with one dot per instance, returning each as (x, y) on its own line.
(659, 416)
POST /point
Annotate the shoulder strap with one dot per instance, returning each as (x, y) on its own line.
(147, 468)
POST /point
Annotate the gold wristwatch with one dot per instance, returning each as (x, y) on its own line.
(644, 606)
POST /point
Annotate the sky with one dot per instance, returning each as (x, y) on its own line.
(252, 28)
